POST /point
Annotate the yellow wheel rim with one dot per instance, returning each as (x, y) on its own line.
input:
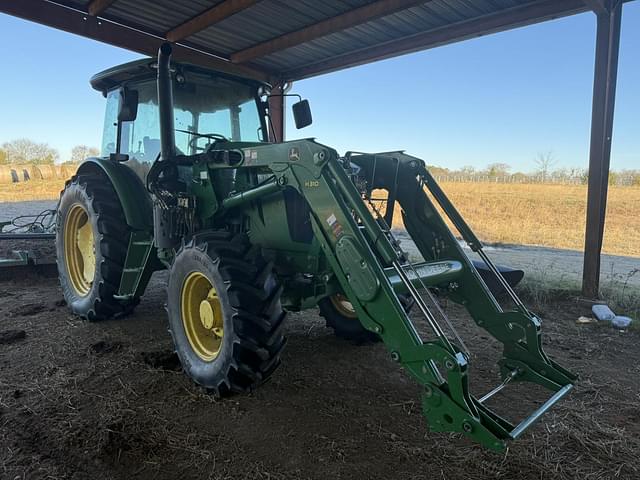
(79, 249)
(343, 306)
(202, 316)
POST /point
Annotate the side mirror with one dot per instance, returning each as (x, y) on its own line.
(302, 114)
(128, 105)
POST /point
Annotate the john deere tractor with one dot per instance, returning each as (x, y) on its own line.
(250, 229)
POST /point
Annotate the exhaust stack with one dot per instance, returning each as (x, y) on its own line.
(165, 104)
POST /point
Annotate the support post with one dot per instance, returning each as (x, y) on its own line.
(604, 91)
(277, 113)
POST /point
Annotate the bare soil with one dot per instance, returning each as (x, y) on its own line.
(108, 400)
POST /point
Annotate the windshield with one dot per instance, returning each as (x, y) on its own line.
(205, 108)
(214, 106)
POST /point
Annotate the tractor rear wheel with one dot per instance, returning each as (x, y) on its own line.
(91, 247)
(224, 311)
(340, 315)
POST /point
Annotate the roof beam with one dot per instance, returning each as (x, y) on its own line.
(208, 18)
(77, 22)
(351, 18)
(527, 14)
(599, 7)
(96, 7)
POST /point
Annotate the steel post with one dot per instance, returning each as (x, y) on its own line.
(604, 90)
(277, 114)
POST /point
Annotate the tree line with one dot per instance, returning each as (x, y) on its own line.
(544, 172)
(23, 150)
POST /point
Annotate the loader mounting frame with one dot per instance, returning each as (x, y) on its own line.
(371, 270)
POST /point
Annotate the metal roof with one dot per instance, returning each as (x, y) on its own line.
(287, 39)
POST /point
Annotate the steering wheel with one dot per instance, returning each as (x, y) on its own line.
(193, 145)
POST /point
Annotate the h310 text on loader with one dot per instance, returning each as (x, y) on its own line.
(249, 229)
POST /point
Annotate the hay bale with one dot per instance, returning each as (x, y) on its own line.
(24, 172)
(5, 174)
(68, 170)
(46, 172)
(36, 174)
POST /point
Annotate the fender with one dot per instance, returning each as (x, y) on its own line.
(134, 199)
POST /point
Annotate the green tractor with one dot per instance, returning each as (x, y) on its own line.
(250, 229)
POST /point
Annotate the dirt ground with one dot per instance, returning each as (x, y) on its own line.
(107, 400)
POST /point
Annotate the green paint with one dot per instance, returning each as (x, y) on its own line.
(134, 199)
(359, 275)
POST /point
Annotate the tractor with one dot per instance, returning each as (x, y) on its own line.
(249, 229)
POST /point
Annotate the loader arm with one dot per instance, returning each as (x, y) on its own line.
(371, 268)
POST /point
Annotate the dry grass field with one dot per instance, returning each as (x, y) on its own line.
(31, 190)
(526, 214)
(547, 215)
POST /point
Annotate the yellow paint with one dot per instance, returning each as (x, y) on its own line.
(79, 249)
(202, 316)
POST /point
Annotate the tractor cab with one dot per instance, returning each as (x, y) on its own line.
(208, 107)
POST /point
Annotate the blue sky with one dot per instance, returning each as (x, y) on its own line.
(500, 98)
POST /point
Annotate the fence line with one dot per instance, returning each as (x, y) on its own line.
(526, 179)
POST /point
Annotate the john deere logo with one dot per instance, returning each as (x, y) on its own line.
(294, 154)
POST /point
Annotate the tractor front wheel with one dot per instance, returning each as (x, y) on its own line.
(225, 315)
(91, 247)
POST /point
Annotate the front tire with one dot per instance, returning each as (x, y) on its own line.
(225, 315)
(91, 247)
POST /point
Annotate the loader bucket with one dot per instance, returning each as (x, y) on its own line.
(511, 275)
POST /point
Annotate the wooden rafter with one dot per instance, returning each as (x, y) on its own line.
(208, 18)
(96, 7)
(351, 18)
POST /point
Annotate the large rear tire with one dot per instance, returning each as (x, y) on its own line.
(225, 315)
(340, 316)
(91, 247)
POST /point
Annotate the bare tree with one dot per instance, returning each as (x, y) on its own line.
(629, 177)
(81, 152)
(498, 170)
(24, 150)
(544, 162)
(468, 170)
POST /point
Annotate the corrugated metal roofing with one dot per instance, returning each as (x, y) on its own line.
(265, 20)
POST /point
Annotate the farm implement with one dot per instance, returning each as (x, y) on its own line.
(249, 229)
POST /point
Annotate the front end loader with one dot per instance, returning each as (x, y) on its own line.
(250, 229)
